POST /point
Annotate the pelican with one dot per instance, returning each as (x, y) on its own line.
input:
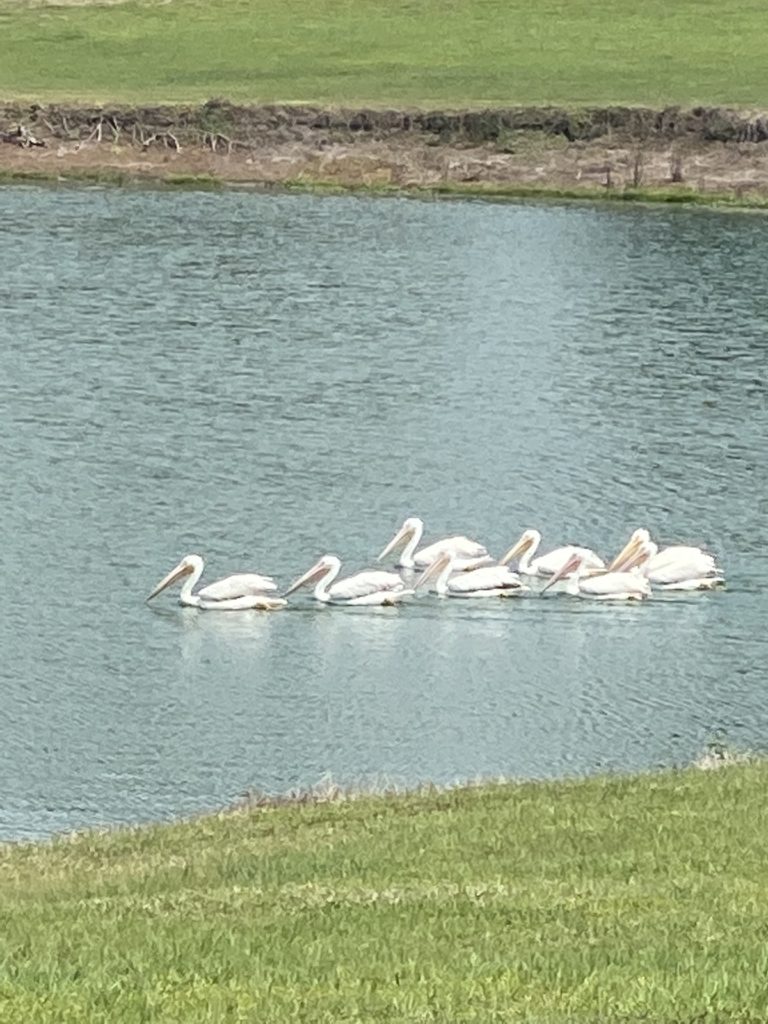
(372, 587)
(232, 594)
(488, 581)
(552, 562)
(468, 554)
(678, 567)
(600, 586)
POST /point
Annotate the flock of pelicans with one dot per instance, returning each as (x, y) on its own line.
(460, 567)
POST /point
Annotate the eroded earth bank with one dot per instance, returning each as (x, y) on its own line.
(714, 152)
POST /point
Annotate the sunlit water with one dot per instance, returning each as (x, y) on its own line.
(263, 379)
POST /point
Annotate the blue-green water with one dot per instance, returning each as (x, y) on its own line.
(263, 379)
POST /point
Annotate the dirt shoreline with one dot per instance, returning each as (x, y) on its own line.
(701, 154)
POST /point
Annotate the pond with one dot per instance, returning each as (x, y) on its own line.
(262, 379)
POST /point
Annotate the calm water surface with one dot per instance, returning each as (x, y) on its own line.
(263, 379)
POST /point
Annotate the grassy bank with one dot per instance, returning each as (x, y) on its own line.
(482, 190)
(604, 900)
(336, 51)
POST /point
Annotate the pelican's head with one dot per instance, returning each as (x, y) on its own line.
(409, 529)
(572, 564)
(529, 539)
(630, 550)
(435, 568)
(188, 565)
(321, 568)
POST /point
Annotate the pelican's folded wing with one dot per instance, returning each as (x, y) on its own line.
(364, 583)
(686, 562)
(240, 585)
(615, 583)
(492, 577)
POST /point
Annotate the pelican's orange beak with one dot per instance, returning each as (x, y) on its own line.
(182, 569)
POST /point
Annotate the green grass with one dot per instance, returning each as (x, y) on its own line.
(626, 899)
(500, 192)
(412, 52)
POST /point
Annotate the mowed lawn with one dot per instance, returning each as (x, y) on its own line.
(385, 52)
(606, 900)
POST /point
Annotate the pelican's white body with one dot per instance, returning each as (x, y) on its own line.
(678, 567)
(488, 581)
(241, 592)
(549, 564)
(373, 587)
(467, 553)
(581, 581)
(612, 586)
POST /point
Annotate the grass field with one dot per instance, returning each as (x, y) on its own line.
(413, 52)
(642, 899)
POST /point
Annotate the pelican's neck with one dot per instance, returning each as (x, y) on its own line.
(573, 580)
(406, 557)
(323, 584)
(441, 583)
(651, 550)
(524, 564)
(186, 596)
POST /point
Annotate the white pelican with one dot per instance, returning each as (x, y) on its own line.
(600, 586)
(468, 554)
(547, 565)
(232, 594)
(679, 567)
(372, 587)
(488, 581)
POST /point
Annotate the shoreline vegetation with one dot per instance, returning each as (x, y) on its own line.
(700, 155)
(605, 899)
